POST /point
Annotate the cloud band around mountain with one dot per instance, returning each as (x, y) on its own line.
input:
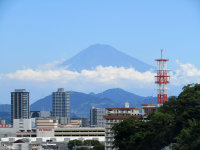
(100, 74)
(187, 73)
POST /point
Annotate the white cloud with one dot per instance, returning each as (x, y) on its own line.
(112, 74)
(107, 75)
(189, 69)
(186, 73)
(51, 65)
(42, 75)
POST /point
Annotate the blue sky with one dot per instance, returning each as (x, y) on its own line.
(38, 32)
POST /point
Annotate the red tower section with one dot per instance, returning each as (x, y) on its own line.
(162, 79)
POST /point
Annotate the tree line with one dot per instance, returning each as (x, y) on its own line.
(175, 125)
(85, 145)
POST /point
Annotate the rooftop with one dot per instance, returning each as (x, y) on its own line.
(149, 104)
(137, 108)
(122, 116)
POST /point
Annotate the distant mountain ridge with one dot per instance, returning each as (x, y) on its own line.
(5, 112)
(81, 102)
(103, 55)
(120, 96)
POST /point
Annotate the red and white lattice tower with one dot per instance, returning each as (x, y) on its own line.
(162, 79)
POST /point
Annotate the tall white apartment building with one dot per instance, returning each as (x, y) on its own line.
(61, 106)
(19, 104)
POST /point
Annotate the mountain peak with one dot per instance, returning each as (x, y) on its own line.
(114, 90)
(104, 55)
(119, 95)
(98, 45)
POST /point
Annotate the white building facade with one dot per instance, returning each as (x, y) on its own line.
(61, 106)
(96, 117)
(116, 115)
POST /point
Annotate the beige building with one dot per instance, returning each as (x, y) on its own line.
(116, 115)
(148, 108)
(45, 127)
(75, 123)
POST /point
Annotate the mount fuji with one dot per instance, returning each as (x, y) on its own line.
(105, 56)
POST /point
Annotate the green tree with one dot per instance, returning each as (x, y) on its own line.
(177, 121)
(129, 132)
(74, 143)
(160, 126)
(82, 148)
(189, 138)
(99, 147)
(91, 142)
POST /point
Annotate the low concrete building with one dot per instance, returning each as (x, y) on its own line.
(7, 132)
(19, 125)
(19, 144)
(28, 143)
(35, 146)
(22, 124)
(84, 122)
(148, 108)
(45, 127)
(62, 135)
(80, 132)
(22, 144)
(26, 134)
(40, 114)
(75, 123)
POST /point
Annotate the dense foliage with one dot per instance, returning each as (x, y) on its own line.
(74, 143)
(175, 125)
(78, 143)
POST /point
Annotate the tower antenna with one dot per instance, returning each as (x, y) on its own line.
(162, 79)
